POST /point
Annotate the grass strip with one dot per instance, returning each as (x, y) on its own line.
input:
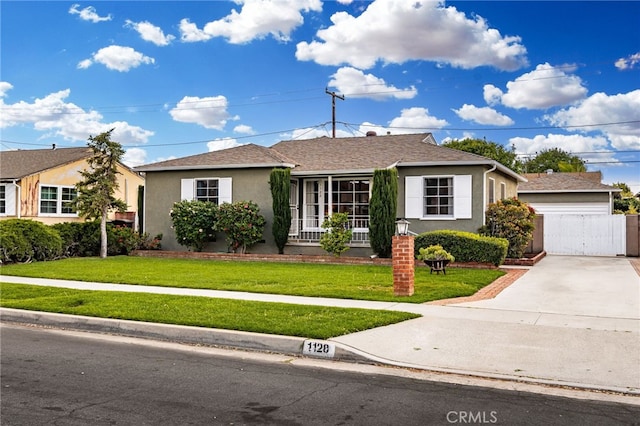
(316, 322)
(364, 282)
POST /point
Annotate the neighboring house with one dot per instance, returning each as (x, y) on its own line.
(39, 184)
(438, 187)
(567, 193)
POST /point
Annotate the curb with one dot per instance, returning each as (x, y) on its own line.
(257, 342)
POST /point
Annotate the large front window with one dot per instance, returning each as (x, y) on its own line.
(57, 200)
(322, 199)
(438, 196)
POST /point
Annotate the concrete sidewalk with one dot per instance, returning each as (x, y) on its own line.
(569, 321)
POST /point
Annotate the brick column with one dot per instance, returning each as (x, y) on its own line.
(403, 265)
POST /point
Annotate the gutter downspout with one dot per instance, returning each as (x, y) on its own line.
(484, 191)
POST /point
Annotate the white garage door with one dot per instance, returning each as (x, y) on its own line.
(585, 235)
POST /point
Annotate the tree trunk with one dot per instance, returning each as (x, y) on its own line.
(103, 235)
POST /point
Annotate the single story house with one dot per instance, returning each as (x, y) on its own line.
(38, 184)
(567, 193)
(438, 187)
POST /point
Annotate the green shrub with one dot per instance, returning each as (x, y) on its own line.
(121, 240)
(280, 183)
(511, 219)
(243, 224)
(465, 246)
(24, 240)
(335, 240)
(382, 210)
(194, 223)
(435, 252)
(79, 238)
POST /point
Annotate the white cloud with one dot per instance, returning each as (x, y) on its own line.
(256, 20)
(352, 82)
(600, 112)
(243, 128)
(118, 58)
(543, 88)
(484, 115)
(4, 88)
(628, 63)
(52, 114)
(88, 14)
(398, 31)
(209, 112)
(222, 143)
(134, 157)
(150, 32)
(568, 143)
(415, 120)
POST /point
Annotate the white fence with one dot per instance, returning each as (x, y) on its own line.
(585, 235)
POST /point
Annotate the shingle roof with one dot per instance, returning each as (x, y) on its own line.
(563, 182)
(250, 155)
(20, 163)
(330, 155)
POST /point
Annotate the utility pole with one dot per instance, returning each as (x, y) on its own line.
(333, 108)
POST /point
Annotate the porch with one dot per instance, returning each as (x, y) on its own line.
(309, 232)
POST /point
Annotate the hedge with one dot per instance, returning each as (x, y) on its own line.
(24, 240)
(466, 246)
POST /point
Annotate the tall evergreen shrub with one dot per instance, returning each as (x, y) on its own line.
(382, 210)
(280, 182)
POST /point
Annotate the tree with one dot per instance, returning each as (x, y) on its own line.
(492, 150)
(99, 183)
(625, 202)
(511, 219)
(382, 210)
(338, 235)
(280, 183)
(554, 159)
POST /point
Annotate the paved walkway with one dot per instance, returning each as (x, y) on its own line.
(570, 321)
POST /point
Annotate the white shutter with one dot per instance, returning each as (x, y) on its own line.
(462, 191)
(10, 199)
(413, 197)
(187, 189)
(224, 190)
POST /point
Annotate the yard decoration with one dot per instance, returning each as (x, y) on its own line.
(436, 257)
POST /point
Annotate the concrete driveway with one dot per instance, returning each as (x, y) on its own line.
(573, 285)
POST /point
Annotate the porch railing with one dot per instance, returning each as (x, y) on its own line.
(309, 231)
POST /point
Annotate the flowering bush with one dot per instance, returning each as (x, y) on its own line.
(243, 224)
(194, 223)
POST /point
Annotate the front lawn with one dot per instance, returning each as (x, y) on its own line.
(316, 322)
(365, 282)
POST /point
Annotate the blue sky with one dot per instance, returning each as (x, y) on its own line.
(182, 78)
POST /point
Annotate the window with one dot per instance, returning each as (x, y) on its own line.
(57, 200)
(215, 190)
(352, 197)
(3, 199)
(438, 196)
(207, 190)
(492, 190)
(503, 190)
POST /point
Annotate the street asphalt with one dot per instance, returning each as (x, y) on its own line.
(569, 321)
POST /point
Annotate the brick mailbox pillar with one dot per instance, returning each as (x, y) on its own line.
(403, 265)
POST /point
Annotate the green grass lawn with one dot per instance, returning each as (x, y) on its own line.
(316, 322)
(365, 282)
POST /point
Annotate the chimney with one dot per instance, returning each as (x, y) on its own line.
(53, 146)
(371, 133)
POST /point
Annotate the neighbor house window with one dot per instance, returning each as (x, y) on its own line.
(57, 200)
(503, 190)
(3, 199)
(438, 196)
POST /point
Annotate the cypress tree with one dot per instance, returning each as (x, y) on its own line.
(382, 210)
(280, 182)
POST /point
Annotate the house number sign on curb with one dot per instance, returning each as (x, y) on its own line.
(319, 348)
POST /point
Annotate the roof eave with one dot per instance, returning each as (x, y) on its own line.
(212, 167)
(557, 191)
(491, 163)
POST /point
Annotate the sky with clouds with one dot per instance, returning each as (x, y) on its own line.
(181, 78)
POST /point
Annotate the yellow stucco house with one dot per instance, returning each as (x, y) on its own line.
(39, 184)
